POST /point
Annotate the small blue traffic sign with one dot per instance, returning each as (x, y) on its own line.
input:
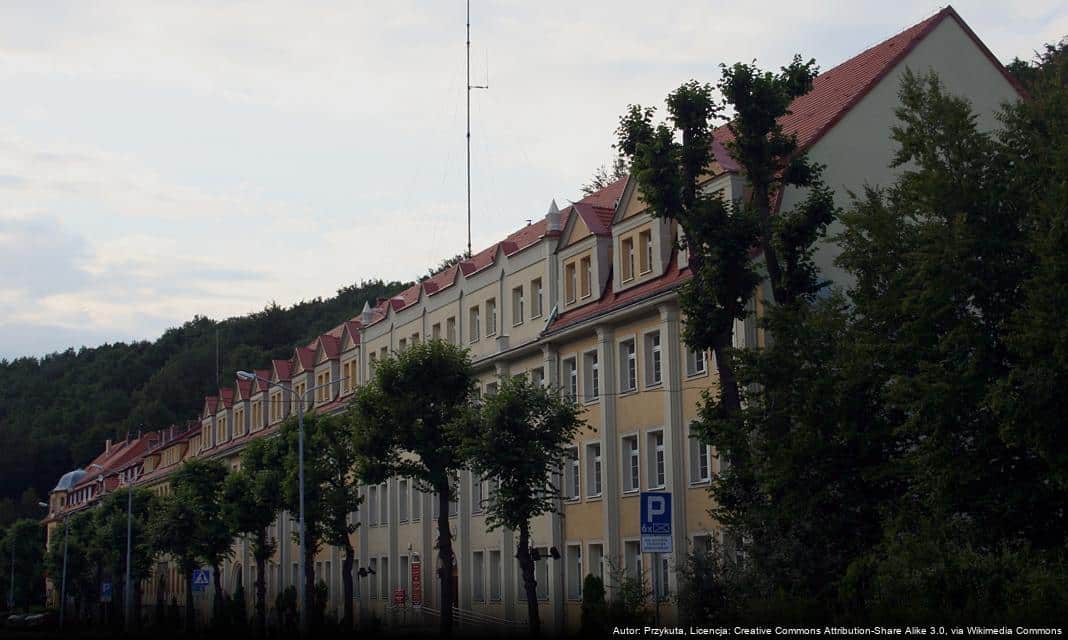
(656, 522)
(201, 579)
(105, 592)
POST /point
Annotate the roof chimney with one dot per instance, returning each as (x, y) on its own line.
(552, 218)
(366, 315)
(107, 446)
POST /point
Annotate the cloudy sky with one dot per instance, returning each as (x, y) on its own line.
(160, 160)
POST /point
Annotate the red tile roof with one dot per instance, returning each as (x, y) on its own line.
(262, 376)
(331, 344)
(306, 357)
(836, 91)
(282, 368)
(244, 388)
(211, 404)
(607, 197)
(227, 396)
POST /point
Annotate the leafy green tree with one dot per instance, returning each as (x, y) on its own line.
(330, 495)
(198, 487)
(80, 562)
(23, 546)
(173, 529)
(671, 162)
(409, 421)
(110, 531)
(521, 442)
(594, 607)
(250, 503)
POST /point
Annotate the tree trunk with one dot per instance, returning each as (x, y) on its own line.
(346, 581)
(728, 382)
(188, 598)
(762, 204)
(261, 583)
(138, 600)
(530, 584)
(445, 559)
(217, 601)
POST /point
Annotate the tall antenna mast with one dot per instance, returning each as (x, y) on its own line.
(469, 87)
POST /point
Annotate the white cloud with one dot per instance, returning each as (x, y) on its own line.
(181, 158)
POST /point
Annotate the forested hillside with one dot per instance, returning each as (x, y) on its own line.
(57, 410)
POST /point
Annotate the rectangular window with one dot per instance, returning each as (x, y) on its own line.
(491, 388)
(593, 469)
(414, 339)
(477, 494)
(435, 331)
(417, 505)
(655, 462)
(495, 575)
(383, 503)
(372, 505)
(571, 378)
(591, 376)
(474, 327)
(653, 375)
(402, 344)
(478, 570)
(372, 362)
(695, 362)
(700, 460)
(450, 330)
(626, 257)
(328, 577)
(570, 282)
(645, 250)
(517, 306)
(628, 366)
(372, 568)
(541, 574)
(404, 575)
(571, 475)
(383, 574)
(574, 572)
(631, 466)
(596, 561)
(454, 497)
(402, 501)
(632, 559)
(537, 376)
(586, 272)
(535, 297)
(491, 317)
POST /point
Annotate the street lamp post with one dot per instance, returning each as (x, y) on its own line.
(246, 375)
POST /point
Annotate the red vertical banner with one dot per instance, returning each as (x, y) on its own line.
(417, 584)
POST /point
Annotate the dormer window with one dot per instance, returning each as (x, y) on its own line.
(645, 246)
(570, 282)
(586, 271)
(627, 258)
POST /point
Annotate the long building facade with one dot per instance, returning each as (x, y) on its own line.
(584, 300)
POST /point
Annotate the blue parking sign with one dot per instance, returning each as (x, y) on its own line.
(105, 592)
(656, 522)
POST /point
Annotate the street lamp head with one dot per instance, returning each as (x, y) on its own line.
(43, 505)
(245, 375)
(95, 465)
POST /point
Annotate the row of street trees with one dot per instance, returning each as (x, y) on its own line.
(418, 418)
